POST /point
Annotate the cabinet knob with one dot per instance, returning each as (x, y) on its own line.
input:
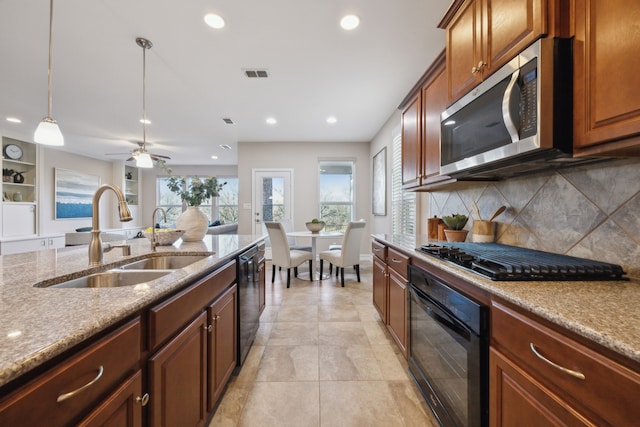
(208, 328)
(143, 400)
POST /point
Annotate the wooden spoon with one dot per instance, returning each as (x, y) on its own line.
(497, 212)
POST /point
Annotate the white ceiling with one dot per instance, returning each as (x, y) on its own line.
(194, 73)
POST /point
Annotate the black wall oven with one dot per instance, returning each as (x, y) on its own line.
(449, 350)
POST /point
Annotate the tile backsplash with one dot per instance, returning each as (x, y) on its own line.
(589, 211)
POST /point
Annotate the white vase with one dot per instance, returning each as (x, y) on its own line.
(194, 222)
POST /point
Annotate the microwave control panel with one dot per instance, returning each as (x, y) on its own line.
(528, 83)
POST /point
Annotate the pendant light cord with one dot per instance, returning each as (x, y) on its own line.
(50, 61)
(144, 98)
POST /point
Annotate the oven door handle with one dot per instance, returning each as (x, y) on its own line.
(448, 321)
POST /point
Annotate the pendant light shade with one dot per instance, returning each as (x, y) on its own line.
(143, 160)
(48, 132)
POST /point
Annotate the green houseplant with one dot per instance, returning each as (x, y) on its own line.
(193, 221)
(456, 223)
(198, 189)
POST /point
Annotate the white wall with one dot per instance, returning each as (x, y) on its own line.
(303, 158)
(49, 160)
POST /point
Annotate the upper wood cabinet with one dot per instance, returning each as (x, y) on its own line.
(421, 126)
(606, 77)
(483, 35)
(412, 142)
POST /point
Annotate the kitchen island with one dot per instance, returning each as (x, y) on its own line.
(40, 326)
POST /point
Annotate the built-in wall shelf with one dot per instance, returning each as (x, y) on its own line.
(19, 199)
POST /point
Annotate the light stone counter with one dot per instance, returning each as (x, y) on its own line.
(37, 324)
(606, 312)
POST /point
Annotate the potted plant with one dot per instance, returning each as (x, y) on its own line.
(456, 223)
(315, 225)
(193, 221)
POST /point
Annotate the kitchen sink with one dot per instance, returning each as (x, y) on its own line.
(109, 279)
(164, 262)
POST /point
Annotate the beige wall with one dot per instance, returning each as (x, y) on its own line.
(589, 211)
(302, 158)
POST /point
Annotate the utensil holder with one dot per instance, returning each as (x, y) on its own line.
(484, 231)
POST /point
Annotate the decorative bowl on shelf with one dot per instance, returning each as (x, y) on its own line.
(165, 236)
(315, 226)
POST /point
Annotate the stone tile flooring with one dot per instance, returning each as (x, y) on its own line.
(322, 357)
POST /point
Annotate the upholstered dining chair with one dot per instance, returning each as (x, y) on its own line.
(282, 255)
(288, 226)
(349, 253)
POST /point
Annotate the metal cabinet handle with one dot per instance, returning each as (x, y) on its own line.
(66, 396)
(397, 261)
(207, 327)
(575, 374)
(143, 400)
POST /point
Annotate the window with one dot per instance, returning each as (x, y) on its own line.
(227, 209)
(403, 203)
(336, 180)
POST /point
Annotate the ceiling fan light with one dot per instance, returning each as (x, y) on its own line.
(143, 160)
(48, 133)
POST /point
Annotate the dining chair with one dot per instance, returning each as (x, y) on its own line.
(282, 255)
(288, 226)
(349, 253)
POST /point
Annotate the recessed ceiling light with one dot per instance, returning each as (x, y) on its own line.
(349, 22)
(331, 120)
(145, 121)
(14, 120)
(271, 121)
(214, 157)
(214, 20)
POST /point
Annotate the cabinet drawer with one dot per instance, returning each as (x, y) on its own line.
(379, 250)
(398, 262)
(166, 318)
(99, 368)
(593, 383)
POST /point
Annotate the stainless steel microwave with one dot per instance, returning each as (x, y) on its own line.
(517, 121)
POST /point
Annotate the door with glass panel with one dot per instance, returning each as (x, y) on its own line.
(272, 196)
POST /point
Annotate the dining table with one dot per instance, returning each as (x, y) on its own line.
(314, 274)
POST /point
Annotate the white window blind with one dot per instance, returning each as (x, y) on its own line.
(403, 203)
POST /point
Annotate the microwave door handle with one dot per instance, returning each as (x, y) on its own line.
(506, 111)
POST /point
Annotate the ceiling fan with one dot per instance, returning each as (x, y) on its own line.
(142, 148)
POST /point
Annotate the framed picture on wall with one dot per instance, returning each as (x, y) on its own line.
(379, 182)
(74, 193)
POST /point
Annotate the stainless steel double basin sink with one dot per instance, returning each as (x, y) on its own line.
(134, 273)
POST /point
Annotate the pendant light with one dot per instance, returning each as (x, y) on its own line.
(143, 159)
(48, 132)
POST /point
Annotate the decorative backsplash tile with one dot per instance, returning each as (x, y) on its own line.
(589, 211)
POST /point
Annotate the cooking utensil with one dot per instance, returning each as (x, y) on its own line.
(497, 212)
(475, 208)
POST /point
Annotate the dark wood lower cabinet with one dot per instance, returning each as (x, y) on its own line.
(397, 314)
(223, 354)
(123, 408)
(177, 378)
(380, 288)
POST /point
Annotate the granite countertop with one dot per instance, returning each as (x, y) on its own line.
(37, 324)
(606, 312)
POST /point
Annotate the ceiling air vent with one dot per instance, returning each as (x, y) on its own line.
(225, 146)
(228, 121)
(254, 73)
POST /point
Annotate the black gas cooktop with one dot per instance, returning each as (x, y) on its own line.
(503, 262)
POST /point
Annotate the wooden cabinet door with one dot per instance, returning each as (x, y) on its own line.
(510, 26)
(380, 288)
(516, 399)
(434, 101)
(397, 316)
(464, 41)
(177, 378)
(223, 352)
(412, 143)
(123, 408)
(606, 77)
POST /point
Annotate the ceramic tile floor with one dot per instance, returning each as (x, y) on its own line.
(322, 357)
